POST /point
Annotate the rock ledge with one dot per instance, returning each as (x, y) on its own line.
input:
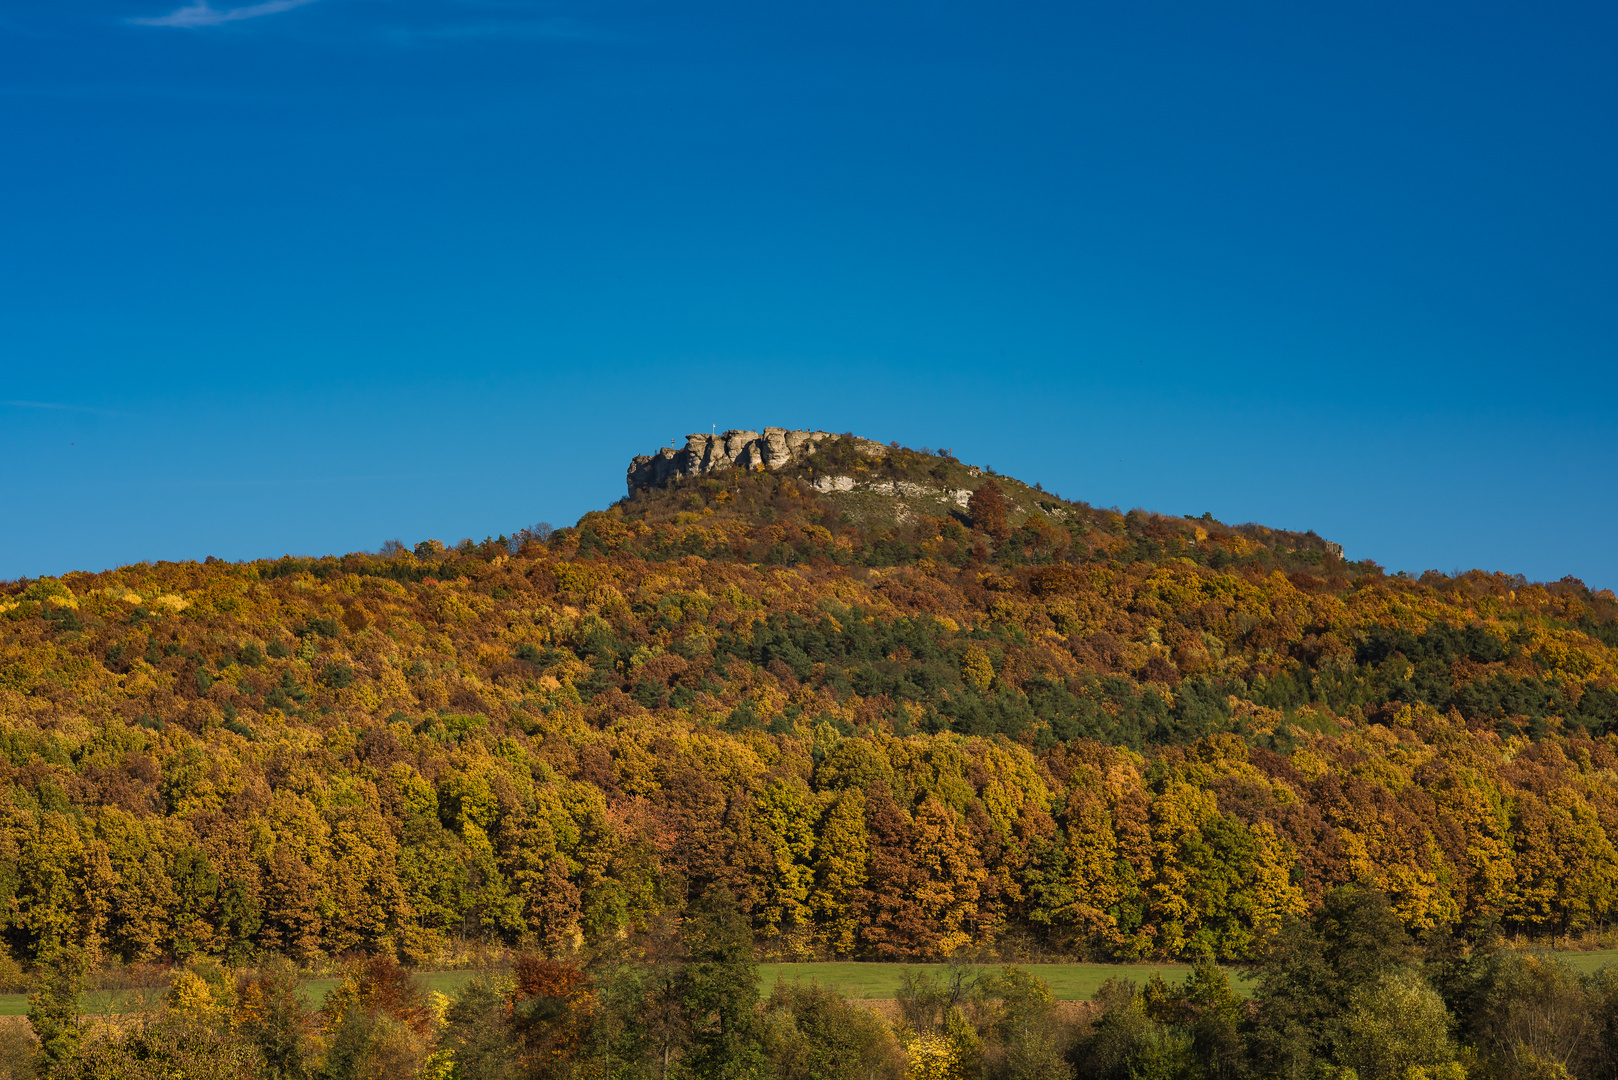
(702, 453)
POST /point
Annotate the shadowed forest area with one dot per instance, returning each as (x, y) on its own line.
(870, 728)
(1345, 994)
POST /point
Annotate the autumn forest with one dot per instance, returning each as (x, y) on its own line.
(1023, 729)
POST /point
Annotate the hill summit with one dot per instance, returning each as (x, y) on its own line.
(776, 448)
(894, 704)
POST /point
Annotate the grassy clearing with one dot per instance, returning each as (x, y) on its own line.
(1586, 962)
(110, 1002)
(445, 982)
(1069, 982)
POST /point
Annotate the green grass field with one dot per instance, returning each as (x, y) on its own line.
(445, 982)
(1069, 982)
(102, 1002)
(1586, 962)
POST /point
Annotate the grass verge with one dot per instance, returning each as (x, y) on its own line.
(861, 981)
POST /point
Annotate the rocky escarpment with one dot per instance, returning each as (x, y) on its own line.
(702, 453)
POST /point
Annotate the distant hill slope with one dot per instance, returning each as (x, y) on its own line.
(899, 706)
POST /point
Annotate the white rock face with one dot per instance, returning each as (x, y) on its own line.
(829, 484)
(774, 448)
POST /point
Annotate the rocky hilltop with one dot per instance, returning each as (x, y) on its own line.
(703, 453)
(873, 484)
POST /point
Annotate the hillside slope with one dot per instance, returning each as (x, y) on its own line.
(893, 720)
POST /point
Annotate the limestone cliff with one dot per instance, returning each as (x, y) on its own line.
(704, 453)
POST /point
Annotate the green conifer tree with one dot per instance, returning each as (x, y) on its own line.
(53, 1009)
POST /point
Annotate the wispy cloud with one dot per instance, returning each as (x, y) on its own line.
(201, 13)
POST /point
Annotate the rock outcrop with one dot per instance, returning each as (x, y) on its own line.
(775, 448)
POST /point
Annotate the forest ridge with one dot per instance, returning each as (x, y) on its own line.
(887, 724)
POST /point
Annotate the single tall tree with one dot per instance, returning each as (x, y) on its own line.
(53, 1009)
(988, 509)
(718, 985)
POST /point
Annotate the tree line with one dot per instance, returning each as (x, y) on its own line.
(1348, 993)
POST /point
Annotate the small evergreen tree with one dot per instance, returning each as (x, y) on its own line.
(53, 1009)
(274, 1016)
(477, 1038)
(718, 987)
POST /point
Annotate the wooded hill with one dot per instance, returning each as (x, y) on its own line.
(890, 728)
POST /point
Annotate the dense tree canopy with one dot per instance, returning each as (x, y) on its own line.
(1035, 725)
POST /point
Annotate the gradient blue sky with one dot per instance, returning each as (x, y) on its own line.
(300, 277)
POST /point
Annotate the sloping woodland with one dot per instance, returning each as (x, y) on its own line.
(1027, 728)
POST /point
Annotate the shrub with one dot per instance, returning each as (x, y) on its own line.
(18, 1052)
(1024, 1039)
(164, 1049)
(813, 1033)
(1535, 1010)
(1395, 1025)
(371, 1045)
(13, 979)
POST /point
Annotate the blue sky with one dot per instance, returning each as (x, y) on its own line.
(301, 277)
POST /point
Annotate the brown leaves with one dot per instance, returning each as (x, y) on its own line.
(988, 508)
(379, 983)
(1057, 580)
(356, 618)
(665, 669)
